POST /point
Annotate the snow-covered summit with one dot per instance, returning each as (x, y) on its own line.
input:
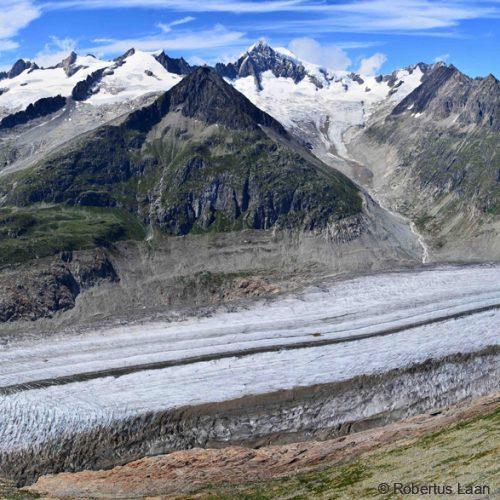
(34, 83)
(297, 93)
(131, 75)
(302, 95)
(260, 58)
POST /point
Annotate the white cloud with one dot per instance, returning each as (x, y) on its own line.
(329, 56)
(442, 58)
(167, 27)
(236, 6)
(8, 45)
(197, 61)
(55, 51)
(218, 36)
(372, 65)
(14, 16)
(407, 15)
(418, 17)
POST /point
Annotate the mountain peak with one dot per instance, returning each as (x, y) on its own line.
(260, 58)
(67, 62)
(259, 46)
(172, 65)
(130, 52)
(205, 96)
(17, 68)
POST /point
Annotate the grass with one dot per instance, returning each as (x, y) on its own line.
(466, 453)
(36, 231)
(9, 492)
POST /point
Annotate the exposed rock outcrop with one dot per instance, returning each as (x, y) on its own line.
(36, 291)
(173, 65)
(84, 88)
(42, 107)
(18, 67)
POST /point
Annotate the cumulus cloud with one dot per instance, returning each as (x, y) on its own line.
(328, 56)
(55, 51)
(371, 65)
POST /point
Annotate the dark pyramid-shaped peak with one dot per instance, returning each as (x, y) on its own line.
(173, 65)
(205, 96)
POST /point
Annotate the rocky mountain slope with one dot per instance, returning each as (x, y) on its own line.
(315, 103)
(200, 157)
(96, 151)
(435, 158)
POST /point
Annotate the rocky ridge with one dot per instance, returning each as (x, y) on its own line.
(439, 147)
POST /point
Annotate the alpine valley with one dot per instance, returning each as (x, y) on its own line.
(245, 221)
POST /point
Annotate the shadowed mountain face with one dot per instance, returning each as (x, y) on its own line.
(445, 91)
(174, 65)
(17, 68)
(200, 158)
(206, 97)
(438, 150)
(42, 107)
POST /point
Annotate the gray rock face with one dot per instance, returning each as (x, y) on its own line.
(18, 67)
(40, 108)
(121, 59)
(173, 65)
(38, 291)
(259, 59)
(68, 64)
(445, 91)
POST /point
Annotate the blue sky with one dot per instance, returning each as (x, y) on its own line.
(375, 35)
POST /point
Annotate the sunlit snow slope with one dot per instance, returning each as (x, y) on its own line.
(135, 74)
